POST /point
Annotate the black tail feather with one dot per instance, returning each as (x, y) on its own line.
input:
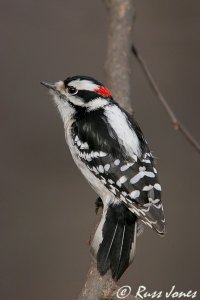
(119, 233)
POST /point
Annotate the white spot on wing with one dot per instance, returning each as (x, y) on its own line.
(134, 194)
(88, 157)
(137, 177)
(149, 174)
(121, 181)
(157, 186)
(101, 169)
(154, 201)
(107, 167)
(110, 181)
(147, 187)
(117, 162)
(84, 146)
(102, 154)
(147, 161)
(142, 169)
(126, 167)
(96, 154)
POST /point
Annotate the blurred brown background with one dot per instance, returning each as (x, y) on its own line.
(46, 206)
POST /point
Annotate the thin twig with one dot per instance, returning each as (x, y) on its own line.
(175, 122)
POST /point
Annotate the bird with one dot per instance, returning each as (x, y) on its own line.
(109, 148)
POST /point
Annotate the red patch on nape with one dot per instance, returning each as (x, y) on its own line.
(103, 91)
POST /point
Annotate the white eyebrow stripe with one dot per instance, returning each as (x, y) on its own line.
(83, 85)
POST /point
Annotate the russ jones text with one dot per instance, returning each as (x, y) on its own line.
(143, 293)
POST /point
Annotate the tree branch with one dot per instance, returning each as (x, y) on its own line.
(175, 122)
(118, 71)
(100, 287)
(118, 61)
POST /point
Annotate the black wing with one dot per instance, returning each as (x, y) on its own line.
(133, 180)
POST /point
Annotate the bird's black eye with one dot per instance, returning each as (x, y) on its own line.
(72, 90)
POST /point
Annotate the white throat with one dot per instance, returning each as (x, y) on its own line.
(66, 111)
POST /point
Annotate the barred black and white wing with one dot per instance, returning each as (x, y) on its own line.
(132, 179)
(133, 182)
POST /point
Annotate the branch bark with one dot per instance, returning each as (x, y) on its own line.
(118, 61)
(118, 73)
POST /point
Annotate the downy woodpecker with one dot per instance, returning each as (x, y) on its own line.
(109, 149)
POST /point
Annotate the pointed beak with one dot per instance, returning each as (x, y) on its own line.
(51, 86)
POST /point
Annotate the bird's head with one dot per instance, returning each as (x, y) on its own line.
(77, 93)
